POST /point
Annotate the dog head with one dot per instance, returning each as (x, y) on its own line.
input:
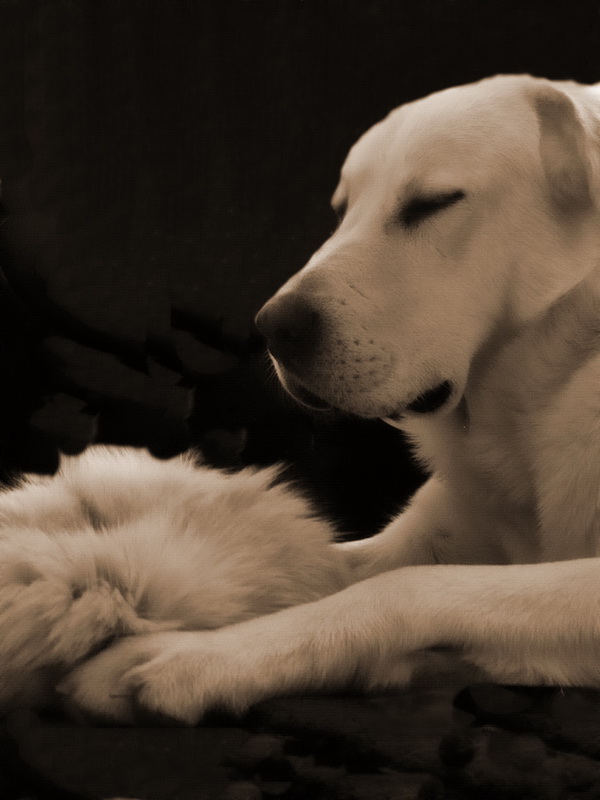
(466, 213)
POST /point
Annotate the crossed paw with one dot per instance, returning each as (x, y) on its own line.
(179, 675)
(166, 676)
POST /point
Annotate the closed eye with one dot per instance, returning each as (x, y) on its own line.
(419, 209)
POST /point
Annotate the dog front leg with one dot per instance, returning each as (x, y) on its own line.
(412, 538)
(526, 623)
(521, 623)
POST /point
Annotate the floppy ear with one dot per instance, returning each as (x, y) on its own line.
(563, 149)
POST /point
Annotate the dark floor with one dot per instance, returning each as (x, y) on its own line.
(431, 742)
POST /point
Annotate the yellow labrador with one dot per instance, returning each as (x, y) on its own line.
(459, 300)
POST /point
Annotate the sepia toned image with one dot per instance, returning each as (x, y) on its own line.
(299, 400)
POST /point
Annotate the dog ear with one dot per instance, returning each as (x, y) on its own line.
(563, 149)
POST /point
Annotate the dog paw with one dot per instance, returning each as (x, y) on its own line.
(99, 688)
(169, 677)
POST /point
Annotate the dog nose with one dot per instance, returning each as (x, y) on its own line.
(291, 326)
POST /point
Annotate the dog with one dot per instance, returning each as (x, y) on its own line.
(121, 544)
(458, 300)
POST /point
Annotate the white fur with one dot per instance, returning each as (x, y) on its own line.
(119, 543)
(499, 293)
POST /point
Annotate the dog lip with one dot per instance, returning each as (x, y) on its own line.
(432, 399)
(426, 403)
(306, 397)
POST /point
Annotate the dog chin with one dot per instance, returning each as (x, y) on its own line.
(300, 393)
(310, 400)
(438, 399)
(315, 402)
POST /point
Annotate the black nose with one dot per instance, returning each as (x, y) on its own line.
(292, 327)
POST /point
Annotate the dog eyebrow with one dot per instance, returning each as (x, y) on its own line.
(418, 208)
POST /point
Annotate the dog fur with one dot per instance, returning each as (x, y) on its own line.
(119, 543)
(467, 260)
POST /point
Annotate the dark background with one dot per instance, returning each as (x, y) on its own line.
(166, 166)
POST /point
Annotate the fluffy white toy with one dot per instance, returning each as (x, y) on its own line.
(119, 543)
